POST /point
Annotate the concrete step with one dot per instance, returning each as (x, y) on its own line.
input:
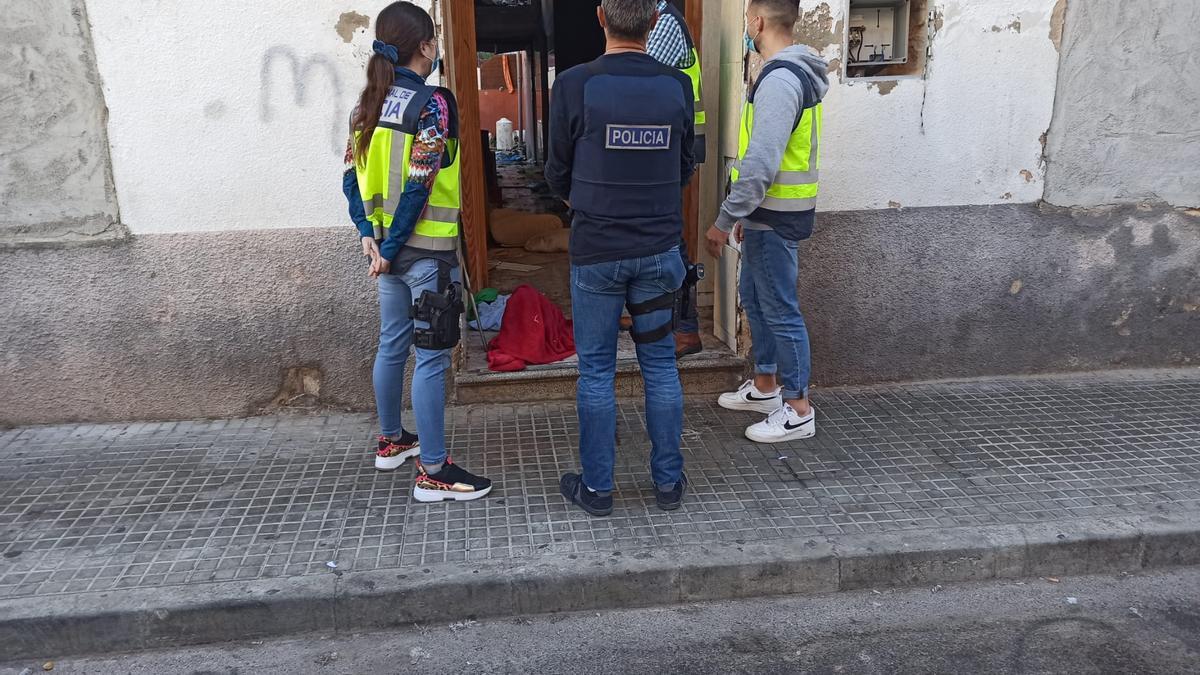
(710, 372)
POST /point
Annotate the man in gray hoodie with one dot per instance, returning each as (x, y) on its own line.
(770, 209)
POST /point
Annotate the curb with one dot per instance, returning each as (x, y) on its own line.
(146, 618)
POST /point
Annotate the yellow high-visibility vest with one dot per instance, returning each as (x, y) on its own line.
(382, 176)
(794, 187)
(693, 73)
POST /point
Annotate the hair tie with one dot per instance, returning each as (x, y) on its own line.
(386, 51)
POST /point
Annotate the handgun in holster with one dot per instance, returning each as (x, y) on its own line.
(687, 293)
(441, 311)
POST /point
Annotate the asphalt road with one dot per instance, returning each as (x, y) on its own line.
(1128, 624)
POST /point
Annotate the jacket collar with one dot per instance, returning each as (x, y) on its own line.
(402, 72)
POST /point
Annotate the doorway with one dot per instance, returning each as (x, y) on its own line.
(516, 229)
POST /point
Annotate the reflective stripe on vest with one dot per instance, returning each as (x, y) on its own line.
(794, 186)
(381, 182)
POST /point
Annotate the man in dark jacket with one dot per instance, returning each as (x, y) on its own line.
(622, 135)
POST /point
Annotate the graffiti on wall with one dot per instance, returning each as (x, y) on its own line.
(306, 73)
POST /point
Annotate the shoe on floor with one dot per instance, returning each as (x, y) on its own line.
(748, 397)
(392, 453)
(784, 424)
(451, 482)
(572, 487)
(672, 499)
(687, 344)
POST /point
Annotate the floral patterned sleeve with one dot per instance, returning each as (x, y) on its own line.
(432, 128)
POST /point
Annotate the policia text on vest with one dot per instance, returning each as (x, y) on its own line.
(621, 147)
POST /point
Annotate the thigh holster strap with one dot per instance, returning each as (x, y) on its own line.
(669, 300)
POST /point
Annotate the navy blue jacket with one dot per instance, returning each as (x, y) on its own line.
(621, 146)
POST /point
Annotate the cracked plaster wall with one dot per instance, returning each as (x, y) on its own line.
(1126, 126)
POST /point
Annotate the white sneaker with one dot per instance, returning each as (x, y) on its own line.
(748, 397)
(784, 424)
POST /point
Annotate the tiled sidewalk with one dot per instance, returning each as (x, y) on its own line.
(102, 507)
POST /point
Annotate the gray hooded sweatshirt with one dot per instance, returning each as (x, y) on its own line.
(777, 105)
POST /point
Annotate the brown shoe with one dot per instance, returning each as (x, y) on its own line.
(626, 323)
(687, 344)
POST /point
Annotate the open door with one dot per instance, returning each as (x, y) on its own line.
(501, 62)
(463, 78)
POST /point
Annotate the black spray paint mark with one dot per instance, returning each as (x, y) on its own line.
(301, 73)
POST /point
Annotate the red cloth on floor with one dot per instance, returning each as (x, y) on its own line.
(533, 330)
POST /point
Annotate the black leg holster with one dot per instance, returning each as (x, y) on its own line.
(441, 310)
(682, 302)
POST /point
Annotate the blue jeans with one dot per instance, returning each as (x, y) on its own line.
(690, 322)
(770, 272)
(598, 292)
(396, 296)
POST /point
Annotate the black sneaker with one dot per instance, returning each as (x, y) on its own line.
(451, 482)
(673, 498)
(392, 453)
(572, 488)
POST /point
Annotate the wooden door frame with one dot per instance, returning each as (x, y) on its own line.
(459, 36)
(462, 76)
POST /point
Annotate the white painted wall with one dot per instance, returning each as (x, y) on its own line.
(231, 115)
(226, 114)
(987, 101)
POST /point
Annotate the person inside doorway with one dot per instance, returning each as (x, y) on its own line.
(405, 206)
(770, 209)
(670, 43)
(622, 133)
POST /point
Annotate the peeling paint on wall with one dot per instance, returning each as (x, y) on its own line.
(348, 22)
(817, 29)
(884, 88)
(1057, 18)
(1015, 26)
(300, 386)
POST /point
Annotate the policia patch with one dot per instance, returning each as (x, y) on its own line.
(637, 137)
